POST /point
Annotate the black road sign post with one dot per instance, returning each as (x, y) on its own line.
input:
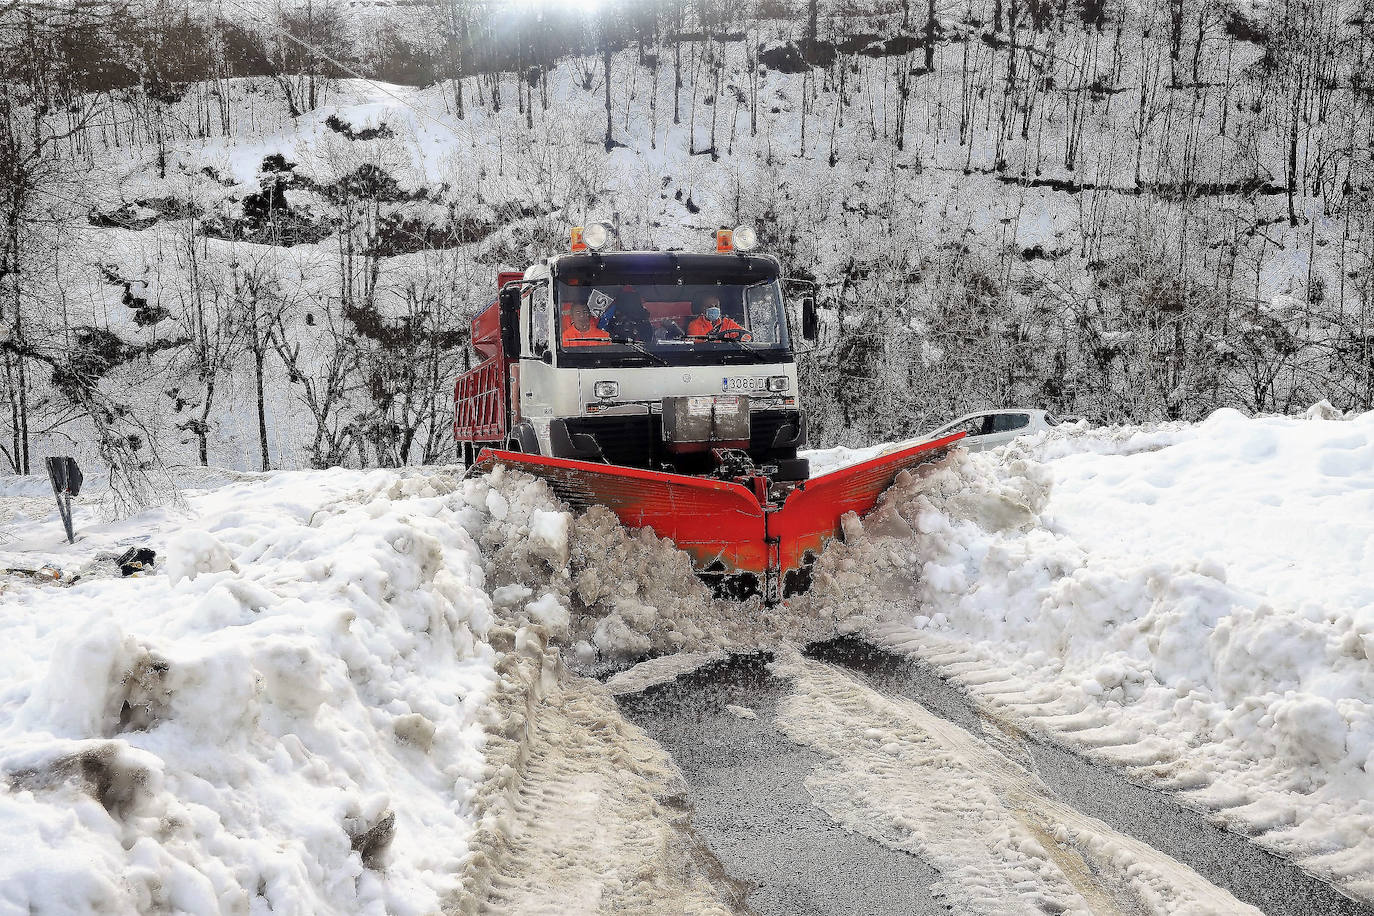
(66, 483)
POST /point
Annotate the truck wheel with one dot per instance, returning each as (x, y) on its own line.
(793, 469)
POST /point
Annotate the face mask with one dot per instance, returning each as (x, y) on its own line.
(713, 313)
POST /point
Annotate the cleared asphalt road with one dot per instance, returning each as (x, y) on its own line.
(752, 806)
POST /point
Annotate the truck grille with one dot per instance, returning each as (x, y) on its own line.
(637, 441)
(763, 426)
(626, 441)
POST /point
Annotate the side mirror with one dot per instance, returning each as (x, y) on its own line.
(811, 322)
(509, 299)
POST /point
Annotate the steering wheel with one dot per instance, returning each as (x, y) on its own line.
(729, 334)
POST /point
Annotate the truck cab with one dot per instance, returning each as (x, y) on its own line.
(671, 361)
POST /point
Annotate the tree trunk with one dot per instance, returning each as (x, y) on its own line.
(606, 62)
(259, 353)
(203, 427)
(930, 37)
(16, 445)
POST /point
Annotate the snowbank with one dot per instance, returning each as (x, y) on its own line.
(1193, 603)
(286, 716)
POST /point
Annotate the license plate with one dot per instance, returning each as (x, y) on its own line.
(758, 383)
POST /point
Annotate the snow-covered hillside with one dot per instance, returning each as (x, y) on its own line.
(1080, 213)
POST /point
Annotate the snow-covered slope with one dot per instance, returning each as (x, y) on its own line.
(1194, 603)
(962, 261)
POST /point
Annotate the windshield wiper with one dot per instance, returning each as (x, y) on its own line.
(631, 342)
(757, 357)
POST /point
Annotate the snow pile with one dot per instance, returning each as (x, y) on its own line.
(287, 716)
(609, 594)
(343, 692)
(825, 460)
(1193, 603)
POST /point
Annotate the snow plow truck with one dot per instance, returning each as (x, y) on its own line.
(663, 385)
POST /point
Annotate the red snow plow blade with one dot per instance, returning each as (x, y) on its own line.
(742, 545)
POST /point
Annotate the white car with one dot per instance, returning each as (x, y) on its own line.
(991, 428)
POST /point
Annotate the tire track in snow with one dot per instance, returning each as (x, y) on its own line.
(1246, 869)
(911, 779)
(582, 813)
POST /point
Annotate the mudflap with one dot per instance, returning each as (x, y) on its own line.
(720, 524)
(810, 516)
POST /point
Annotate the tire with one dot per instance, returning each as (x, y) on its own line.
(793, 469)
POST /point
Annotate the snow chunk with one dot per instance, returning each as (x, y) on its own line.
(551, 531)
(549, 612)
(193, 552)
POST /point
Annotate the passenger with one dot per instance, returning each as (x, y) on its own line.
(710, 321)
(580, 328)
(628, 318)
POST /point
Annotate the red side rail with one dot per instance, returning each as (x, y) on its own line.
(479, 403)
(482, 397)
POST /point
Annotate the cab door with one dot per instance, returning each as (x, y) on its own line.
(538, 377)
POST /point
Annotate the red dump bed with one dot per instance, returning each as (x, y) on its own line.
(480, 397)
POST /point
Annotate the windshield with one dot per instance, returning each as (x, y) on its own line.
(659, 319)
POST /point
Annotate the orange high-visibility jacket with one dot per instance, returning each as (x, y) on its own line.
(572, 337)
(701, 326)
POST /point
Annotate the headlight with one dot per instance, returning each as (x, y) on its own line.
(746, 239)
(596, 235)
(777, 383)
(606, 390)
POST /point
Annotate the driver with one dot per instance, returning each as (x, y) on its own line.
(580, 329)
(710, 321)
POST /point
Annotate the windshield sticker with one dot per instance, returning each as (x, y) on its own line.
(598, 301)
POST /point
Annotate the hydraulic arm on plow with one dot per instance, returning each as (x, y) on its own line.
(663, 385)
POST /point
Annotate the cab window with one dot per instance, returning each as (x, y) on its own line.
(763, 313)
(538, 308)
